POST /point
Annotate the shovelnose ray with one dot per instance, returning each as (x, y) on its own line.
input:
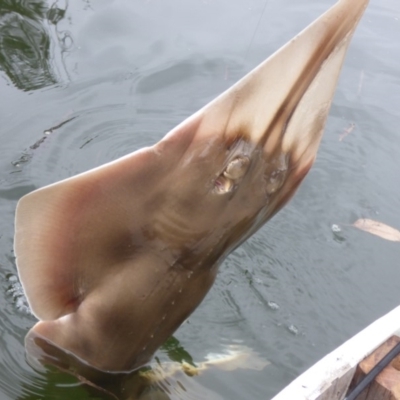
(113, 260)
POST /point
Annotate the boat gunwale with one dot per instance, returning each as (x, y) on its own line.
(334, 372)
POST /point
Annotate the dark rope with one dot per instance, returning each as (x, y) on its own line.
(374, 372)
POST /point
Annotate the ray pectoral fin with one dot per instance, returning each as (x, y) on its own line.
(41, 349)
(60, 229)
(41, 352)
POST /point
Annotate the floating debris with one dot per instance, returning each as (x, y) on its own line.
(347, 131)
(293, 329)
(378, 229)
(272, 305)
(337, 233)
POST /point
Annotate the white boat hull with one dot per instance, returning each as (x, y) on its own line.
(329, 378)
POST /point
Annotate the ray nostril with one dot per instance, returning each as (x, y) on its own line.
(276, 181)
(276, 174)
(223, 185)
(237, 168)
(230, 176)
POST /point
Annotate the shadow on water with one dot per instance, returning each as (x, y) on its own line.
(25, 42)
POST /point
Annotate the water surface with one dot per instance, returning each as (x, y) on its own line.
(84, 82)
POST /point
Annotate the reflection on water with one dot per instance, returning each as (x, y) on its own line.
(25, 43)
(163, 380)
(135, 69)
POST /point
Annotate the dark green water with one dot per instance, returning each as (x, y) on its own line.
(85, 82)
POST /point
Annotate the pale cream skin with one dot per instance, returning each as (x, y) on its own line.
(115, 259)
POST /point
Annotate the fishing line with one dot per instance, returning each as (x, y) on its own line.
(255, 31)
